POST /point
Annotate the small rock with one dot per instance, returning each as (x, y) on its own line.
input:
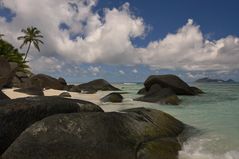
(65, 94)
(112, 97)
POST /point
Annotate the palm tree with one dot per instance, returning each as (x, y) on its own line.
(1, 35)
(32, 36)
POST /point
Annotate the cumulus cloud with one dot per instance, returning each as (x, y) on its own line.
(94, 70)
(89, 37)
(121, 72)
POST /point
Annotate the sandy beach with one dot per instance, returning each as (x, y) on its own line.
(94, 98)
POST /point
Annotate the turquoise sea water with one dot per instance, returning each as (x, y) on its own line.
(215, 114)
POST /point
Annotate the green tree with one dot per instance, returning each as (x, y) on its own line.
(1, 35)
(31, 36)
(12, 55)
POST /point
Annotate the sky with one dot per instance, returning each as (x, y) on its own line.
(128, 40)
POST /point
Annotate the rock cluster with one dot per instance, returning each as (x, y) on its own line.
(164, 89)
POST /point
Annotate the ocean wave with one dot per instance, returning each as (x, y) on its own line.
(196, 149)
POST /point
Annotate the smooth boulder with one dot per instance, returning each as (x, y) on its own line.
(197, 90)
(65, 94)
(99, 84)
(178, 86)
(44, 81)
(111, 135)
(18, 114)
(113, 97)
(160, 95)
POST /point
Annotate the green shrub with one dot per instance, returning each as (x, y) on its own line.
(12, 55)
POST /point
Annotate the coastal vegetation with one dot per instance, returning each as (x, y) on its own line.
(31, 36)
(13, 55)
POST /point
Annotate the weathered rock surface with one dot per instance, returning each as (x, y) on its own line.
(19, 79)
(113, 97)
(178, 86)
(133, 134)
(18, 114)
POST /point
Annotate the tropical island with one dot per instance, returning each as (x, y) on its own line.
(93, 79)
(28, 101)
(209, 80)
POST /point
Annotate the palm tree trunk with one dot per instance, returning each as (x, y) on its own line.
(27, 51)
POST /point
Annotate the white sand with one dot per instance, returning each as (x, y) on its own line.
(94, 98)
(13, 95)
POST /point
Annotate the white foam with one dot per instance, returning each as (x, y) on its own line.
(196, 149)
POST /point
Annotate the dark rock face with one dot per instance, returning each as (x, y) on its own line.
(178, 86)
(18, 114)
(99, 84)
(112, 97)
(197, 90)
(65, 94)
(113, 135)
(6, 72)
(62, 81)
(19, 79)
(44, 81)
(157, 94)
(3, 96)
(31, 91)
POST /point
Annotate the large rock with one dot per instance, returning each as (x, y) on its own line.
(197, 90)
(99, 84)
(20, 79)
(85, 90)
(173, 82)
(3, 96)
(18, 114)
(113, 135)
(44, 81)
(157, 94)
(6, 72)
(113, 97)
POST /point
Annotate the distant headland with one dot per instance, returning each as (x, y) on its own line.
(210, 80)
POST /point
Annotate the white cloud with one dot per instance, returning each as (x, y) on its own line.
(121, 72)
(107, 39)
(135, 71)
(94, 70)
(46, 64)
(188, 50)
